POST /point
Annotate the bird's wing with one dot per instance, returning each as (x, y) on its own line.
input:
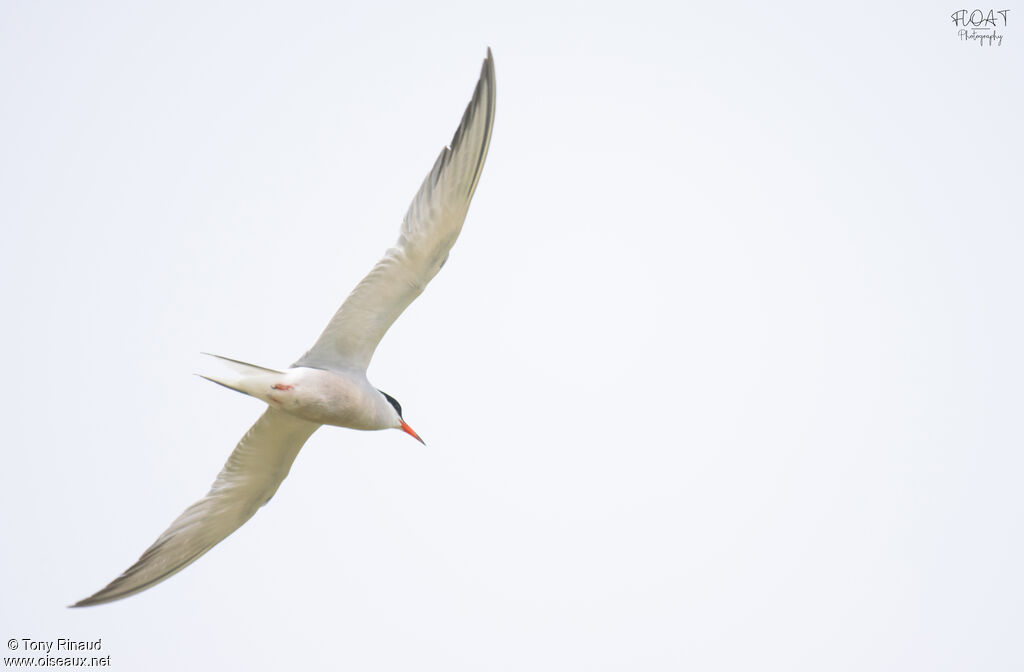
(429, 230)
(248, 480)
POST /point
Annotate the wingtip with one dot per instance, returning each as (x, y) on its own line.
(101, 597)
(86, 602)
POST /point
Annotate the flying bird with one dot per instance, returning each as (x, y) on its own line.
(328, 384)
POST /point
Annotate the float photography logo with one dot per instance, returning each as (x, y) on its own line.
(981, 26)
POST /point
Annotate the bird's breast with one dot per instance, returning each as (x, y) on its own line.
(326, 397)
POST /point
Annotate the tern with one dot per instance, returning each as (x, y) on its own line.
(328, 384)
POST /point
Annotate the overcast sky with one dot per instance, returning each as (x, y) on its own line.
(724, 372)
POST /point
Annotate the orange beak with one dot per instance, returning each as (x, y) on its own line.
(408, 430)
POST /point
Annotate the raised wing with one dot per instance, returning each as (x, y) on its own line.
(249, 479)
(429, 230)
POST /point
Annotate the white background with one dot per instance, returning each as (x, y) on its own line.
(724, 373)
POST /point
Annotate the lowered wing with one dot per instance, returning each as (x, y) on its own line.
(249, 479)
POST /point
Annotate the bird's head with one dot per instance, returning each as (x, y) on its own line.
(401, 424)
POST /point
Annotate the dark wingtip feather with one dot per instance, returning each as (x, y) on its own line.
(484, 93)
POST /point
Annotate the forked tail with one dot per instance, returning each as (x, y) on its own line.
(241, 376)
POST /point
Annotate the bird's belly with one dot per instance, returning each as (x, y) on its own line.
(324, 397)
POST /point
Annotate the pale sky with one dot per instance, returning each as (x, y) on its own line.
(724, 372)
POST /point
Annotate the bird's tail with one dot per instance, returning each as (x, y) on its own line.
(240, 376)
